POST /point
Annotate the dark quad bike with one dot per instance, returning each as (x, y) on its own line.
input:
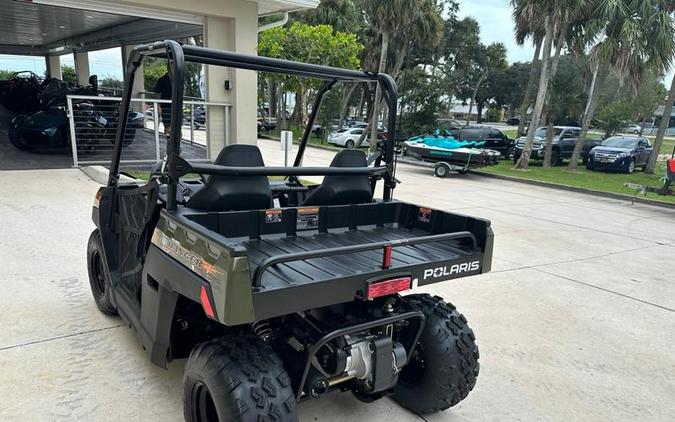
(277, 292)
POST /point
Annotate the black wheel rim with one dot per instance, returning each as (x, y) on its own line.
(99, 273)
(203, 408)
(413, 373)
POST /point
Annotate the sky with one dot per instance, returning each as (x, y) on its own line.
(494, 17)
(102, 63)
(496, 25)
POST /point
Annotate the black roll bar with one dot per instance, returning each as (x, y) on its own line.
(213, 169)
(178, 54)
(325, 87)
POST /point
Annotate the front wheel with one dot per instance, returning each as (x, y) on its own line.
(15, 133)
(444, 365)
(630, 167)
(555, 158)
(510, 153)
(236, 379)
(99, 278)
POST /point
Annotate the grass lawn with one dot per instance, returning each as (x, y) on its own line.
(582, 178)
(297, 136)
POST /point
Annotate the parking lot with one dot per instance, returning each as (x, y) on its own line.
(575, 322)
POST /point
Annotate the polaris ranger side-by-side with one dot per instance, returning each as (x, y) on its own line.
(278, 292)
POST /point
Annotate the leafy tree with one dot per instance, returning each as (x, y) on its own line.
(154, 68)
(509, 87)
(489, 59)
(111, 82)
(318, 44)
(421, 102)
(68, 74)
(5, 74)
(618, 105)
(567, 94)
(342, 15)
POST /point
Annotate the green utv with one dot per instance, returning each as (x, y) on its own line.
(277, 292)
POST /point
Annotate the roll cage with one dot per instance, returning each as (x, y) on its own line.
(177, 55)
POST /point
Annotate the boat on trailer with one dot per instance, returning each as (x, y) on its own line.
(449, 154)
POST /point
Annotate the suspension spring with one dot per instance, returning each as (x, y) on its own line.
(263, 329)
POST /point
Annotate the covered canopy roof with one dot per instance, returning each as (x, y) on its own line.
(41, 27)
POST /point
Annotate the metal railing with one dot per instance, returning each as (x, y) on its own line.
(94, 120)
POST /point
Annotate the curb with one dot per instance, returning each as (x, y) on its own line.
(610, 195)
(309, 145)
(99, 174)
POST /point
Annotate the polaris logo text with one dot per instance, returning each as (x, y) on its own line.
(446, 271)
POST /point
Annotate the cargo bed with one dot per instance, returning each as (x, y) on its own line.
(301, 258)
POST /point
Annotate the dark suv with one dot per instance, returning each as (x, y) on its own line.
(494, 138)
(623, 153)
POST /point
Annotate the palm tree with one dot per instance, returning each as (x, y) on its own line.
(556, 15)
(663, 127)
(528, 24)
(635, 35)
(384, 16)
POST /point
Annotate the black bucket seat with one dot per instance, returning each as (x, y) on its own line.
(234, 193)
(343, 190)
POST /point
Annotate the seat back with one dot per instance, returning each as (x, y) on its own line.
(234, 193)
(343, 190)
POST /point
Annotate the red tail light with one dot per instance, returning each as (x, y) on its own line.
(206, 304)
(388, 287)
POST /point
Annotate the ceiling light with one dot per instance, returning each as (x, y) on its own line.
(62, 27)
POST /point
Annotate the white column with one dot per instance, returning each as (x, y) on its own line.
(82, 67)
(139, 78)
(54, 66)
(235, 34)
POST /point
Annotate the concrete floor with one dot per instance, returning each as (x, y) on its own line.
(576, 322)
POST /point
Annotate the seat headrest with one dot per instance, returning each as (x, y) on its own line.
(239, 155)
(349, 158)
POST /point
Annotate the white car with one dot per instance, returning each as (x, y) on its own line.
(347, 137)
(633, 128)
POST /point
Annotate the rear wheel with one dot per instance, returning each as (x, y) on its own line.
(444, 366)
(350, 144)
(238, 379)
(99, 278)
